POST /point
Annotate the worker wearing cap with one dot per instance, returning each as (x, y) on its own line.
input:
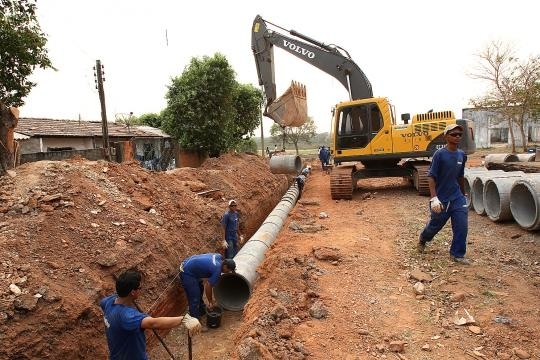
(229, 222)
(448, 199)
(200, 273)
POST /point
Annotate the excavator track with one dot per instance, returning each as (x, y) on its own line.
(420, 179)
(341, 186)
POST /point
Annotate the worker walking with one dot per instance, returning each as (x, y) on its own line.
(125, 324)
(230, 222)
(448, 199)
(198, 275)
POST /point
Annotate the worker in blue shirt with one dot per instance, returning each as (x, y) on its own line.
(199, 274)
(230, 224)
(125, 324)
(448, 197)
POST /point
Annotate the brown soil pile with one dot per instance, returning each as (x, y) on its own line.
(67, 227)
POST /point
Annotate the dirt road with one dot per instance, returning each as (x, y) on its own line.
(341, 286)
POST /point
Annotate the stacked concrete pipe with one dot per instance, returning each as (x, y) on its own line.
(500, 158)
(527, 157)
(477, 194)
(233, 290)
(470, 175)
(525, 202)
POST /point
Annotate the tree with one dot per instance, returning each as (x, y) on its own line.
(293, 135)
(150, 119)
(207, 110)
(513, 86)
(22, 50)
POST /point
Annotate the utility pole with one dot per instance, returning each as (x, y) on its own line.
(98, 73)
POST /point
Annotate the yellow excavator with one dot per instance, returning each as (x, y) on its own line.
(364, 129)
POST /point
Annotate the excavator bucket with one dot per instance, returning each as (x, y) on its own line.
(290, 109)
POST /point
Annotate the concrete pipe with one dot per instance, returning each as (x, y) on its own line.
(477, 194)
(470, 175)
(285, 164)
(497, 198)
(525, 202)
(233, 290)
(527, 157)
(500, 158)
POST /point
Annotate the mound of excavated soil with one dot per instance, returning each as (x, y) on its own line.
(66, 227)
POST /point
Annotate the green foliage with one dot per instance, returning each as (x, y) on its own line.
(22, 49)
(207, 110)
(150, 119)
(247, 145)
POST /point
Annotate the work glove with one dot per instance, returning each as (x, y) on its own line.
(436, 205)
(192, 324)
(224, 244)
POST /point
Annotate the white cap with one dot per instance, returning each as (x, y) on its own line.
(232, 202)
(451, 127)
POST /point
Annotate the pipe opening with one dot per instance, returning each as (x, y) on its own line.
(478, 196)
(523, 205)
(232, 291)
(492, 200)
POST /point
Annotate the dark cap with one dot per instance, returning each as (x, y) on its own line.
(230, 264)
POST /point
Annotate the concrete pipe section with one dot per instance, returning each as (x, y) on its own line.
(477, 194)
(233, 290)
(500, 158)
(470, 175)
(525, 202)
(497, 198)
(285, 164)
(528, 157)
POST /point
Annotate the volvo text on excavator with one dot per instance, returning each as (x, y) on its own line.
(364, 128)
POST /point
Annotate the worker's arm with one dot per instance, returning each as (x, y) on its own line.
(167, 322)
(432, 190)
(461, 181)
(209, 293)
(434, 202)
(163, 322)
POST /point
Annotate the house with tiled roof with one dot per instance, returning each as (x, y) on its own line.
(151, 146)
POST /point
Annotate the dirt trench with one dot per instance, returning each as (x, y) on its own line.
(66, 227)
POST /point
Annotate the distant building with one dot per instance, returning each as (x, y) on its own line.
(151, 147)
(490, 126)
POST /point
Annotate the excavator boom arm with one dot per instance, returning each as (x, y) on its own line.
(324, 57)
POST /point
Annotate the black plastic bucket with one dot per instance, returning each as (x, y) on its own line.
(213, 317)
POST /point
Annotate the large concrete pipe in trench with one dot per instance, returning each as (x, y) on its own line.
(285, 164)
(233, 290)
(477, 194)
(525, 202)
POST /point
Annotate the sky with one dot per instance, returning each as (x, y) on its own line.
(417, 53)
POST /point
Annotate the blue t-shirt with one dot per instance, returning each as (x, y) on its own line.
(125, 336)
(446, 168)
(204, 266)
(230, 221)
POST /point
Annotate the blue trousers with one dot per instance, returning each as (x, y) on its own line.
(232, 248)
(194, 293)
(458, 212)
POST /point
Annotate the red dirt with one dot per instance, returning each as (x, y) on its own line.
(66, 227)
